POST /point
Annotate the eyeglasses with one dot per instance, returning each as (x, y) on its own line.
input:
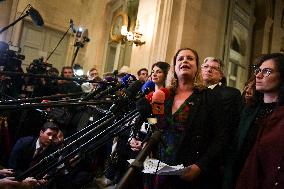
(265, 71)
(205, 67)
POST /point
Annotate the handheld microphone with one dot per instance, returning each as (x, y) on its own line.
(158, 100)
(148, 87)
(36, 17)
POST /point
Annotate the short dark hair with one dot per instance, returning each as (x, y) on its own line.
(66, 68)
(50, 125)
(142, 69)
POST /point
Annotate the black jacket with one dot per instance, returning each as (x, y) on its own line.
(203, 140)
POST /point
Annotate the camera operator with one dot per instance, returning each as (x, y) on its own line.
(65, 86)
(10, 85)
(35, 86)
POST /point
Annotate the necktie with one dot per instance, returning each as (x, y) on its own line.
(37, 152)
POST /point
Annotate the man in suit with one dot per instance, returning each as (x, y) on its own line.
(212, 76)
(29, 150)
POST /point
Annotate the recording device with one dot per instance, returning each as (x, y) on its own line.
(10, 60)
(38, 67)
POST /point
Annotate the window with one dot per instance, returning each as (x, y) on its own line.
(233, 74)
(235, 45)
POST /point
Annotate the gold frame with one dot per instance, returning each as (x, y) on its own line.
(118, 37)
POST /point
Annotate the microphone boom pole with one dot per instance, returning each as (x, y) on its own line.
(137, 165)
(41, 98)
(13, 23)
(58, 43)
(54, 104)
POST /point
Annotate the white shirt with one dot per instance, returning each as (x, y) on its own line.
(214, 85)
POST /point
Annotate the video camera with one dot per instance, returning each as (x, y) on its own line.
(39, 67)
(10, 60)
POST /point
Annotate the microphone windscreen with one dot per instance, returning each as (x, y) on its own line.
(110, 79)
(128, 79)
(131, 78)
(148, 86)
(115, 72)
(158, 97)
(36, 17)
(166, 91)
(133, 89)
(149, 96)
(87, 87)
(144, 107)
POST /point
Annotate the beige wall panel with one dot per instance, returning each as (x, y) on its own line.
(278, 32)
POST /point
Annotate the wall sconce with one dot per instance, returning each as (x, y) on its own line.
(134, 37)
(119, 32)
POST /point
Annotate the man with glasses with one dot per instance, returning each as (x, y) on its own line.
(212, 74)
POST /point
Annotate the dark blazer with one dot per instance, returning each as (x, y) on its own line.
(203, 139)
(231, 168)
(232, 103)
(22, 154)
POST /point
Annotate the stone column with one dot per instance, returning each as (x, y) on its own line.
(154, 18)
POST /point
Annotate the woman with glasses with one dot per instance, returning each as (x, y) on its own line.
(259, 158)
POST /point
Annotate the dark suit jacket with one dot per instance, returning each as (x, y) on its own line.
(22, 154)
(232, 103)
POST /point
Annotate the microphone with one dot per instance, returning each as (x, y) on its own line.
(158, 100)
(144, 108)
(148, 87)
(87, 87)
(125, 95)
(125, 81)
(36, 17)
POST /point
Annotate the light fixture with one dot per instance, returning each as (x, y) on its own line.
(134, 37)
